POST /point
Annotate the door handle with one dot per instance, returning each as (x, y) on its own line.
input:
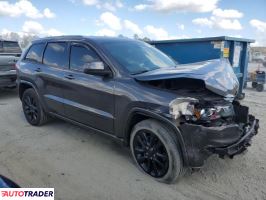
(69, 76)
(38, 69)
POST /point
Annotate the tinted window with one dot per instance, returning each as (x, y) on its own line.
(138, 57)
(1, 44)
(81, 56)
(10, 44)
(35, 52)
(56, 55)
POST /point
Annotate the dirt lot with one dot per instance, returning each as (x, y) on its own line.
(81, 166)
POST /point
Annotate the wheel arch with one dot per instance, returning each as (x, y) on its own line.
(140, 114)
(23, 86)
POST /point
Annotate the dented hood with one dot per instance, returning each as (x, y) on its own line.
(218, 75)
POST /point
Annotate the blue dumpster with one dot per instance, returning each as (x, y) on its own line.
(201, 49)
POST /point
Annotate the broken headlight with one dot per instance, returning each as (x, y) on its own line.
(182, 107)
(213, 113)
(192, 110)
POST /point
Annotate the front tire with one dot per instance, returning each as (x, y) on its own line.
(155, 151)
(32, 108)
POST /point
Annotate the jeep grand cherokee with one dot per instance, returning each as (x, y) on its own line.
(173, 117)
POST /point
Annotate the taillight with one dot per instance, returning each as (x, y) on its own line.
(16, 66)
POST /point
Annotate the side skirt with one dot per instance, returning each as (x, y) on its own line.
(94, 130)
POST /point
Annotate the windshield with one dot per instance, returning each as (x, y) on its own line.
(138, 57)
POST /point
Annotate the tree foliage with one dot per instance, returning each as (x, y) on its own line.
(23, 39)
(145, 39)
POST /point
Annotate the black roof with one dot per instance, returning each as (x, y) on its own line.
(84, 38)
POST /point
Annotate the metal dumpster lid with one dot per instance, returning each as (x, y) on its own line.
(220, 38)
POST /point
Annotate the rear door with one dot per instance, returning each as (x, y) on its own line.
(50, 75)
(89, 99)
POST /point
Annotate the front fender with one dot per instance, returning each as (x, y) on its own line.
(157, 116)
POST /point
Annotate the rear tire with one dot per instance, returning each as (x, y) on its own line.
(32, 108)
(155, 151)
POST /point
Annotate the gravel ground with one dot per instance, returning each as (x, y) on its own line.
(81, 165)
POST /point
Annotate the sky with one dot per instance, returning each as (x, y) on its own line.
(155, 19)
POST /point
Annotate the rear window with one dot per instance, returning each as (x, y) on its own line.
(7, 44)
(35, 53)
(56, 55)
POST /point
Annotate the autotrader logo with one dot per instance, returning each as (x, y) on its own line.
(27, 193)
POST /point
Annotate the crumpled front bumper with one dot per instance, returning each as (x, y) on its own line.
(241, 145)
(228, 140)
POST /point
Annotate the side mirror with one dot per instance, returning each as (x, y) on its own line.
(97, 68)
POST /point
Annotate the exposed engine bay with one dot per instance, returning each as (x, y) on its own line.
(199, 105)
(187, 87)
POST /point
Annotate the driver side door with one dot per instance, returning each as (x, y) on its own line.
(89, 99)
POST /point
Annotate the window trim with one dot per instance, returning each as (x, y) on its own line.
(67, 48)
(28, 50)
(80, 44)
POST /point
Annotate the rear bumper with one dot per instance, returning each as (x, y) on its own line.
(8, 78)
(230, 140)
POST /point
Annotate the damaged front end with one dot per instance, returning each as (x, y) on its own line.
(217, 127)
(205, 111)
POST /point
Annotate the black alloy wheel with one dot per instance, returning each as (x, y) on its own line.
(32, 108)
(150, 153)
(155, 150)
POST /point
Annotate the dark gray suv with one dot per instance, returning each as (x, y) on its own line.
(172, 116)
